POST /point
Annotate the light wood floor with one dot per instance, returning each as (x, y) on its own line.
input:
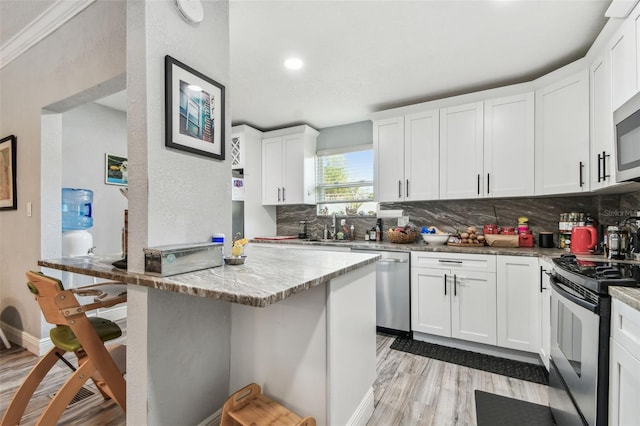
(410, 390)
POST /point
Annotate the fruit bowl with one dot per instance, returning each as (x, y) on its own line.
(436, 239)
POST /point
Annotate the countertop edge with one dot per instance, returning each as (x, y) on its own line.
(172, 283)
(420, 246)
(627, 295)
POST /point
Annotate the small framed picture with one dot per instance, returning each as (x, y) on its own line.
(115, 170)
(194, 111)
(8, 161)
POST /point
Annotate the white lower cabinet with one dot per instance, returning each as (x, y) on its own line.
(454, 295)
(624, 362)
(518, 316)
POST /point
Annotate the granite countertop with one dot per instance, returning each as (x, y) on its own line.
(267, 277)
(422, 246)
(630, 296)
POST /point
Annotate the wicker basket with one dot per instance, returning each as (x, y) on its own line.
(402, 237)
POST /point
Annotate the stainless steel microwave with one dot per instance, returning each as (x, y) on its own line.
(627, 140)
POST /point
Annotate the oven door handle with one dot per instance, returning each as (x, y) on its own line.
(578, 301)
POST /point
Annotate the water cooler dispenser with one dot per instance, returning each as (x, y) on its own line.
(76, 219)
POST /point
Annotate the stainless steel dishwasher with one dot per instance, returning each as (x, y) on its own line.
(393, 288)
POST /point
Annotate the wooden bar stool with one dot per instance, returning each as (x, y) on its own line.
(249, 407)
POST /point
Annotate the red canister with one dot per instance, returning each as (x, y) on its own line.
(490, 229)
(508, 230)
(525, 239)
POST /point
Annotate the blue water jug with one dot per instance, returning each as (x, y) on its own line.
(76, 209)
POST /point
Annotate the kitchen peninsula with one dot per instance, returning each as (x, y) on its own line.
(299, 323)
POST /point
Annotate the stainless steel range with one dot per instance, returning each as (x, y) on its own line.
(580, 328)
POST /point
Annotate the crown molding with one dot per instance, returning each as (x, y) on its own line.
(46, 23)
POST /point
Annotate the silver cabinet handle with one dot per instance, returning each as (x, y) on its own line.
(278, 194)
(283, 198)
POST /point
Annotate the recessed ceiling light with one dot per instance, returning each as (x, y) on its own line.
(293, 63)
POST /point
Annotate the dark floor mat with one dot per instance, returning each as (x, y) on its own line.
(497, 410)
(493, 364)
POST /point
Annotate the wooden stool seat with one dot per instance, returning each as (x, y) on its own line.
(250, 407)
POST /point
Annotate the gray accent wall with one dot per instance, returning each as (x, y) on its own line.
(347, 135)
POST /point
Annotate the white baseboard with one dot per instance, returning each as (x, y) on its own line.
(212, 420)
(27, 341)
(364, 411)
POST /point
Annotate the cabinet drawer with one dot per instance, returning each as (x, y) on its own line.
(625, 327)
(454, 261)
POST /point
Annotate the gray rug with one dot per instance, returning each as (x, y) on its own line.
(497, 410)
(506, 367)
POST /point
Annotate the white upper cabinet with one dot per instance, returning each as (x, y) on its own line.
(288, 166)
(406, 157)
(421, 158)
(562, 136)
(602, 130)
(461, 162)
(509, 146)
(388, 145)
(487, 148)
(622, 57)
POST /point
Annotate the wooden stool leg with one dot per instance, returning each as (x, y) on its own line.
(65, 394)
(16, 407)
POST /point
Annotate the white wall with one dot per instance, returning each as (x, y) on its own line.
(58, 67)
(174, 197)
(88, 132)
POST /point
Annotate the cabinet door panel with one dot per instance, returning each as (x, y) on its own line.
(624, 383)
(562, 136)
(421, 156)
(461, 133)
(623, 64)
(293, 169)
(518, 295)
(601, 171)
(473, 307)
(272, 171)
(430, 301)
(509, 146)
(388, 144)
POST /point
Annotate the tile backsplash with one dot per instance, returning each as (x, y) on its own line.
(450, 215)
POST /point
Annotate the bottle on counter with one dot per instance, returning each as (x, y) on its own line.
(377, 233)
(352, 233)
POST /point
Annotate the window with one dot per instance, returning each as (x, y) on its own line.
(344, 182)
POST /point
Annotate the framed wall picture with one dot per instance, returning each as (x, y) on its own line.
(8, 162)
(115, 170)
(194, 111)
